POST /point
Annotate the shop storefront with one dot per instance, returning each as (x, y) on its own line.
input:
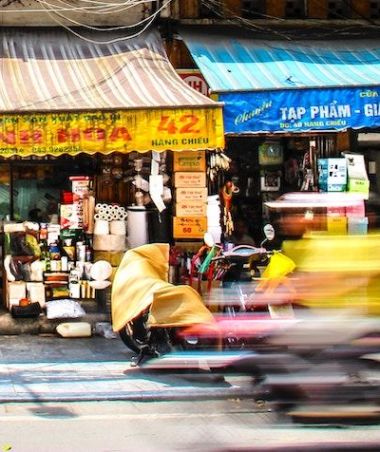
(287, 106)
(87, 131)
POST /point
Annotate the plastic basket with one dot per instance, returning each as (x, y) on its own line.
(278, 267)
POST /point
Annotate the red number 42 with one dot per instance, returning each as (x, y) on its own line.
(169, 125)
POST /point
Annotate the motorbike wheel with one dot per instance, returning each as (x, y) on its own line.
(127, 336)
(144, 341)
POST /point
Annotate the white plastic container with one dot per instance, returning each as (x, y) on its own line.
(216, 232)
(74, 329)
(137, 226)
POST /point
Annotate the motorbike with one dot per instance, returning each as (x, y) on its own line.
(240, 273)
(314, 362)
(146, 309)
(153, 316)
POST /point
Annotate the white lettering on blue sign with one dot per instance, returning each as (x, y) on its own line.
(330, 111)
(372, 109)
(247, 115)
(289, 113)
(303, 109)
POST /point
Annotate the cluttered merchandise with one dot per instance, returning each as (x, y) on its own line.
(50, 268)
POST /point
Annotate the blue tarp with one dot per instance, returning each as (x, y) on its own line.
(280, 86)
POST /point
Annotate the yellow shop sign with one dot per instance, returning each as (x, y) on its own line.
(106, 132)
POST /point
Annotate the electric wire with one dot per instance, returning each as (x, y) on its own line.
(216, 7)
(147, 22)
(233, 18)
(104, 6)
(97, 9)
(108, 28)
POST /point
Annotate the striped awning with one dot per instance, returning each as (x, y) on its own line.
(53, 70)
(238, 64)
(62, 94)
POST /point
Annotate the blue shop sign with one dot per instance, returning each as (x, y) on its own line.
(298, 110)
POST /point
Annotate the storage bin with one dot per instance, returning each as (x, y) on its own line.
(357, 225)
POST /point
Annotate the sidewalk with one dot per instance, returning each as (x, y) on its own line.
(49, 368)
(96, 311)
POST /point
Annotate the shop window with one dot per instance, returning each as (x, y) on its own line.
(36, 191)
(295, 9)
(339, 9)
(374, 9)
(33, 189)
(253, 9)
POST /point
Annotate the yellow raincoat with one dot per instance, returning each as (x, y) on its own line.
(142, 281)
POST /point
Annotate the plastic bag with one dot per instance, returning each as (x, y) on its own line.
(62, 309)
(105, 329)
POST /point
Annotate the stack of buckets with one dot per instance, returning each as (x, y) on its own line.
(213, 218)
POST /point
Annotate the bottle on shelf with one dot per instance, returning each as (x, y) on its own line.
(55, 257)
(89, 250)
(45, 255)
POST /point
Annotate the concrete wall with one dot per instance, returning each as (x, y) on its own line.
(31, 13)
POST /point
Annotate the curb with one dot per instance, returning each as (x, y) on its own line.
(12, 327)
(134, 396)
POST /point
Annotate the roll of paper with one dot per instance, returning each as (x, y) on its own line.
(101, 227)
(110, 242)
(118, 227)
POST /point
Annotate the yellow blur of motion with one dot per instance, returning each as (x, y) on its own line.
(141, 281)
(275, 274)
(334, 271)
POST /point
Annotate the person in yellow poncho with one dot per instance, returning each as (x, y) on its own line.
(141, 285)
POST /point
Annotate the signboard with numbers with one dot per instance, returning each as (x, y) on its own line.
(191, 208)
(189, 161)
(115, 131)
(191, 194)
(189, 227)
(193, 179)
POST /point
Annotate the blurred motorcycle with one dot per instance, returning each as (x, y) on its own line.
(240, 273)
(150, 313)
(147, 310)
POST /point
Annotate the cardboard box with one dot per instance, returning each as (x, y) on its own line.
(357, 225)
(191, 208)
(15, 290)
(80, 185)
(36, 292)
(190, 179)
(338, 211)
(191, 194)
(189, 161)
(332, 171)
(332, 187)
(336, 224)
(359, 186)
(356, 210)
(189, 227)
